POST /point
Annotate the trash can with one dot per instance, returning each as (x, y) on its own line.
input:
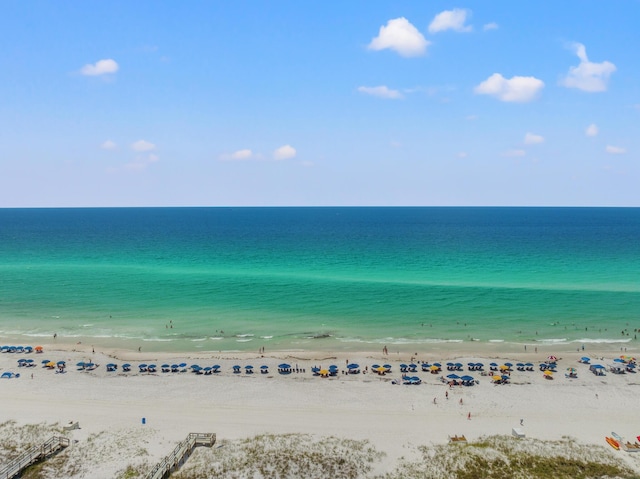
(144, 420)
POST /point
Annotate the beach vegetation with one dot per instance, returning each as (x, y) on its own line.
(285, 456)
(503, 457)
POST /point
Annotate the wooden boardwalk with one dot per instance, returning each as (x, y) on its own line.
(35, 454)
(180, 454)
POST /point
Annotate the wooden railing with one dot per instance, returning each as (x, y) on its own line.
(180, 454)
(36, 453)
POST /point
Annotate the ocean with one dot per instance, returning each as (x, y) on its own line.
(319, 278)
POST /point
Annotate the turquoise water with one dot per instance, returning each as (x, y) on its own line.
(184, 279)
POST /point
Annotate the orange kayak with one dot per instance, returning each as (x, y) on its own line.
(613, 443)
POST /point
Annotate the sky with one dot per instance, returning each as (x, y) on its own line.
(381, 103)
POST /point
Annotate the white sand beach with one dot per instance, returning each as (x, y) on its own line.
(395, 418)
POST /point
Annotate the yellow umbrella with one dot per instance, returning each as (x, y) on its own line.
(497, 378)
(324, 372)
(548, 373)
(504, 367)
(381, 370)
(435, 368)
(50, 364)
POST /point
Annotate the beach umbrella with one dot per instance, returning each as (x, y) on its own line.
(504, 367)
(458, 365)
(453, 376)
(50, 364)
(449, 364)
(165, 366)
(333, 367)
(38, 349)
(81, 364)
(324, 373)
(126, 365)
(548, 373)
(264, 366)
(552, 359)
(248, 367)
(585, 359)
(182, 365)
(571, 370)
(143, 365)
(380, 370)
(21, 360)
(508, 364)
(467, 378)
(284, 366)
(404, 366)
(386, 366)
(353, 366)
(216, 366)
(505, 378)
(31, 360)
(437, 364)
(497, 378)
(375, 366)
(315, 369)
(434, 368)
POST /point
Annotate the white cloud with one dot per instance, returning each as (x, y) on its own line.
(400, 35)
(142, 145)
(490, 26)
(380, 91)
(615, 150)
(101, 67)
(533, 139)
(245, 154)
(141, 162)
(284, 152)
(514, 153)
(591, 130)
(588, 76)
(450, 20)
(517, 89)
(108, 145)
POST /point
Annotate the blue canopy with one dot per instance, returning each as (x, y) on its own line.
(284, 366)
(386, 366)
(333, 367)
(248, 367)
(216, 366)
(264, 366)
(182, 365)
(453, 376)
(142, 365)
(467, 378)
(126, 365)
(353, 366)
(315, 369)
(165, 366)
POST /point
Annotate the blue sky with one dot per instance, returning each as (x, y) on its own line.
(319, 103)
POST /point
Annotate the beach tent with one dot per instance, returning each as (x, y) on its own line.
(264, 369)
(248, 369)
(126, 367)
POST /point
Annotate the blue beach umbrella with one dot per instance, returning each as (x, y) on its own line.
(182, 365)
(453, 376)
(284, 366)
(264, 366)
(142, 365)
(248, 367)
(216, 366)
(353, 366)
(467, 378)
